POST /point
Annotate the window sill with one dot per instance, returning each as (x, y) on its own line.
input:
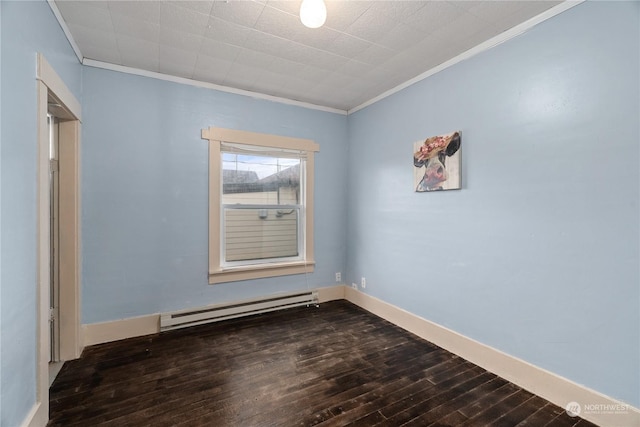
(233, 274)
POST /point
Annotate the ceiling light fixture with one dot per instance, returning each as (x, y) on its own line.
(313, 13)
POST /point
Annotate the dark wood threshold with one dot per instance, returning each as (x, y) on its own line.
(332, 365)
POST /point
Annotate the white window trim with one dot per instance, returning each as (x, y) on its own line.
(220, 274)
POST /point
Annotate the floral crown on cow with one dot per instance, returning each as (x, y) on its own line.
(434, 145)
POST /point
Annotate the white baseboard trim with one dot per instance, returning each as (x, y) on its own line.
(331, 293)
(37, 416)
(595, 407)
(98, 333)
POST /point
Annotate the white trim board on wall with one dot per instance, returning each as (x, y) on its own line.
(556, 389)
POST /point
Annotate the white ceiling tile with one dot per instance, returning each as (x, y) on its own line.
(128, 26)
(111, 56)
(477, 38)
(287, 26)
(215, 49)
(337, 80)
(267, 43)
(420, 54)
(322, 59)
(289, 6)
(180, 40)
(320, 89)
(537, 7)
(462, 27)
(141, 62)
(267, 87)
(346, 45)
(314, 74)
(527, 10)
(349, 99)
(241, 76)
(176, 69)
(341, 14)
(325, 94)
(255, 59)
(226, 32)
(375, 55)
(139, 53)
(169, 54)
(434, 15)
(320, 38)
(277, 23)
(104, 40)
(355, 69)
(182, 19)
(294, 89)
(134, 45)
(271, 80)
(96, 3)
(378, 75)
(359, 86)
(84, 13)
(468, 5)
(372, 25)
(245, 13)
(298, 53)
(493, 11)
(298, 85)
(287, 68)
(397, 10)
(201, 6)
(211, 69)
(401, 37)
(143, 10)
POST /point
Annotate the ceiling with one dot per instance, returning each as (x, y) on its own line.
(364, 49)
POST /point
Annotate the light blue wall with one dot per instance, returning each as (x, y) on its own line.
(27, 28)
(145, 193)
(538, 254)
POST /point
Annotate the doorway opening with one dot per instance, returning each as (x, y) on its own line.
(54, 281)
(58, 324)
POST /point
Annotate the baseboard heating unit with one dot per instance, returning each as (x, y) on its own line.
(216, 313)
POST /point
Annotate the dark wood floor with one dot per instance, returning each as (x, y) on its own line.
(331, 365)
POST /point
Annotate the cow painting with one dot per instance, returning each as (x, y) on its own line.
(437, 163)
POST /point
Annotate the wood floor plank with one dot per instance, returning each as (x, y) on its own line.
(466, 380)
(520, 413)
(332, 365)
(492, 413)
(450, 406)
(541, 417)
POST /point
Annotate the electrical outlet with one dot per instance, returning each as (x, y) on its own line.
(354, 286)
(363, 283)
(338, 276)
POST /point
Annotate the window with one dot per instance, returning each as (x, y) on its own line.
(260, 205)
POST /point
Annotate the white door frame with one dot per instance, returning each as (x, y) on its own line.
(50, 84)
